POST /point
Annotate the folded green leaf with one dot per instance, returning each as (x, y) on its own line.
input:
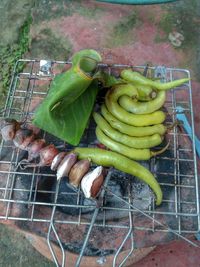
(78, 114)
(67, 107)
(85, 53)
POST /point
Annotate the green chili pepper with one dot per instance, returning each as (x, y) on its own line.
(130, 141)
(124, 89)
(137, 78)
(143, 107)
(116, 110)
(109, 158)
(145, 93)
(66, 109)
(132, 153)
(129, 129)
(108, 80)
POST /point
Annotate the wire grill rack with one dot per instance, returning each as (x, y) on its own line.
(176, 171)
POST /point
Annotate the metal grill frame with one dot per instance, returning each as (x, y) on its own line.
(25, 95)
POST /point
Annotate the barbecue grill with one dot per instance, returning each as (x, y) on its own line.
(124, 216)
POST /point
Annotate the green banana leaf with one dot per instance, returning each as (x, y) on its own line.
(65, 111)
(85, 53)
(78, 114)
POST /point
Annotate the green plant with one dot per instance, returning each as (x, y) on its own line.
(47, 44)
(183, 17)
(9, 54)
(120, 33)
(126, 24)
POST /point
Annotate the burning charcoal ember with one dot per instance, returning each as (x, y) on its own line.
(68, 196)
(142, 195)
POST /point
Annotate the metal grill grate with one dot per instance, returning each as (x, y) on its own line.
(176, 171)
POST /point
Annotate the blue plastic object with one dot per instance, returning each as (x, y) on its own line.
(137, 2)
(198, 236)
(181, 117)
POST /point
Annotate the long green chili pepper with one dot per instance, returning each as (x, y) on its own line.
(130, 141)
(137, 78)
(116, 110)
(130, 152)
(129, 129)
(122, 163)
(143, 107)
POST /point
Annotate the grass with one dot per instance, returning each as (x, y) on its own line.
(121, 31)
(126, 24)
(15, 250)
(58, 8)
(90, 13)
(182, 18)
(9, 54)
(50, 46)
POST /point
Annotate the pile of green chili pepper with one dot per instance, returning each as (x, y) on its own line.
(131, 123)
(131, 120)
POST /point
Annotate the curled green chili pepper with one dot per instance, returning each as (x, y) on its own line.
(137, 78)
(135, 142)
(116, 110)
(145, 93)
(129, 129)
(143, 107)
(130, 152)
(124, 89)
(122, 163)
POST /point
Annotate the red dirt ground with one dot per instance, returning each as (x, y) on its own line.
(97, 33)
